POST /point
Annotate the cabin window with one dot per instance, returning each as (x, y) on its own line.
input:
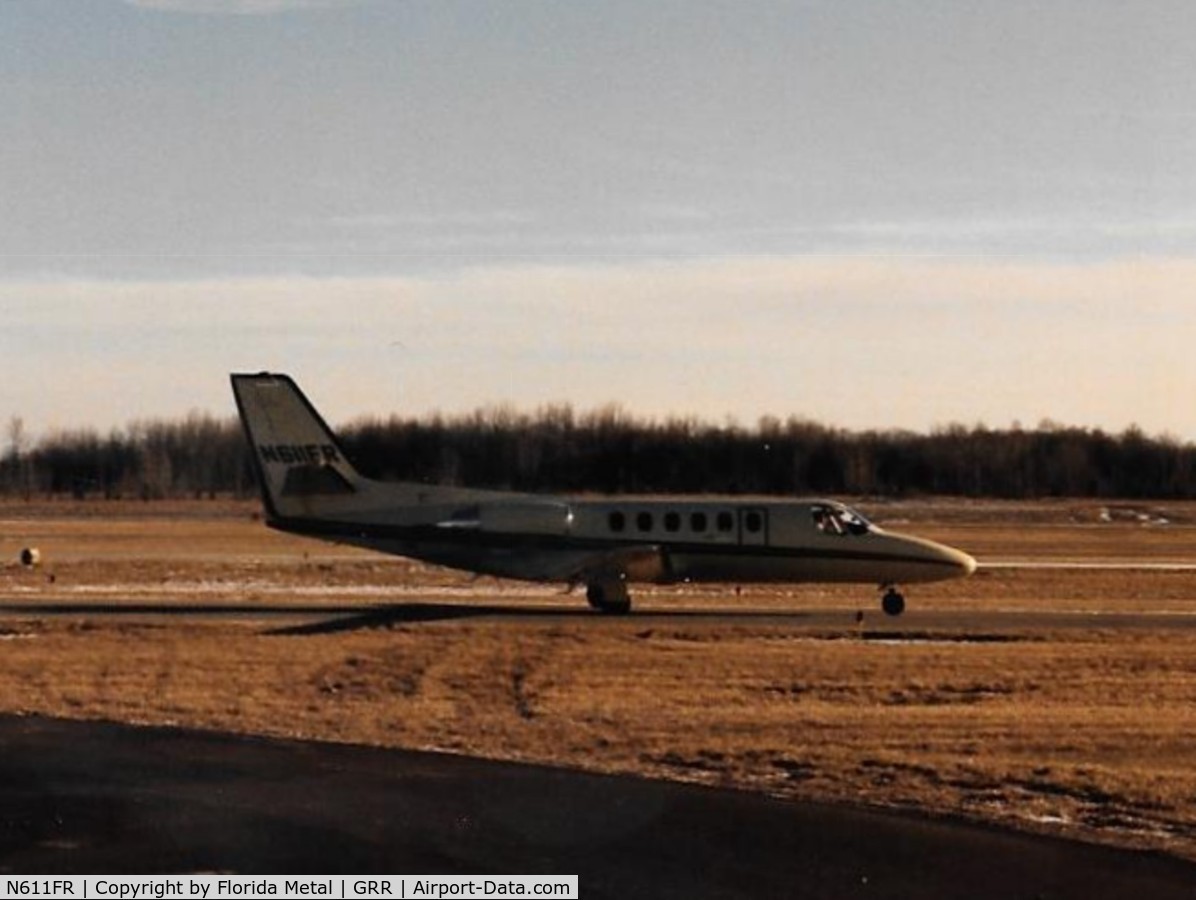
(697, 521)
(726, 521)
(644, 521)
(672, 521)
(753, 521)
(617, 521)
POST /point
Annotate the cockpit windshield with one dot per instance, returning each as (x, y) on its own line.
(837, 519)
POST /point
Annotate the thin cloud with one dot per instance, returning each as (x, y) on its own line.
(237, 7)
(863, 343)
(461, 219)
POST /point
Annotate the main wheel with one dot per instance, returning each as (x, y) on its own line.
(893, 603)
(611, 599)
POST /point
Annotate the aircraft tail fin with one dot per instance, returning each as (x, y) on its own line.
(302, 470)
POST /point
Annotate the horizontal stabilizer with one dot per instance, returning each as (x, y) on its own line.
(513, 516)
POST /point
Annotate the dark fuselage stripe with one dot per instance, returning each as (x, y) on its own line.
(482, 540)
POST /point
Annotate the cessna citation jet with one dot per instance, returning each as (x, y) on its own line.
(309, 487)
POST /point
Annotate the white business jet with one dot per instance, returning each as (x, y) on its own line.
(309, 487)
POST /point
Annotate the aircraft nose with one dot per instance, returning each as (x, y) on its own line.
(949, 562)
(928, 560)
(965, 562)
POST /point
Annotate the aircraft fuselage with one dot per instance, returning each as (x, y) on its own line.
(657, 540)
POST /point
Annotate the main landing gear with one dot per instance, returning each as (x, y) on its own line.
(609, 597)
(893, 601)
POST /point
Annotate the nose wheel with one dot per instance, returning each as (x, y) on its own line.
(893, 601)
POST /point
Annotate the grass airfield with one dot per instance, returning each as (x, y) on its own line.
(1035, 694)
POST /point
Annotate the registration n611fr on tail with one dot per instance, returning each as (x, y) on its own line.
(310, 487)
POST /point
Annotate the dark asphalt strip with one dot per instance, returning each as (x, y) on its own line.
(83, 797)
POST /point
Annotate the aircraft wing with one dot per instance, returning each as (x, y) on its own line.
(642, 562)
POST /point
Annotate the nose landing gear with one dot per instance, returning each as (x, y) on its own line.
(893, 601)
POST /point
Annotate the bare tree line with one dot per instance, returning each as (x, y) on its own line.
(608, 450)
(200, 456)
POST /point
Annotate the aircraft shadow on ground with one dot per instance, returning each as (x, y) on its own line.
(411, 613)
(415, 613)
(336, 618)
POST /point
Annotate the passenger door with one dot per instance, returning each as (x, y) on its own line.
(753, 526)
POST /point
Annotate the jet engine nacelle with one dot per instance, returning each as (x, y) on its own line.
(526, 518)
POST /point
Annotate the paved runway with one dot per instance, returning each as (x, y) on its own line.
(969, 624)
(80, 797)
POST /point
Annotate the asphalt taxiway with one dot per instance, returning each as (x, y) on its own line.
(91, 797)
(978, 624)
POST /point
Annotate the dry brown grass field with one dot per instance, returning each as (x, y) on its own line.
(971, 705)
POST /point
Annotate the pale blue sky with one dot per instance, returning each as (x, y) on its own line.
(876, 214)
